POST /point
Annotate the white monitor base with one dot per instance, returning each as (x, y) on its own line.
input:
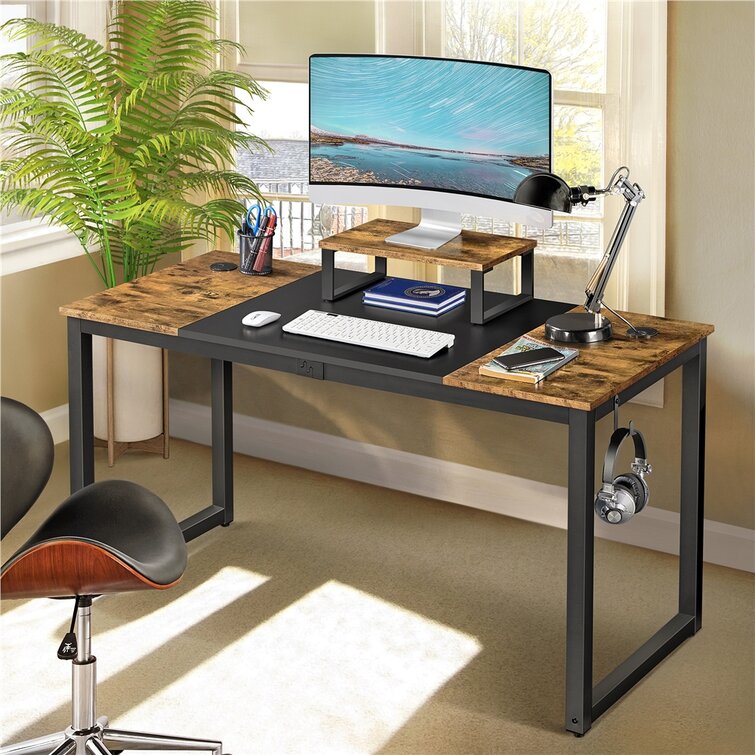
(435, 229)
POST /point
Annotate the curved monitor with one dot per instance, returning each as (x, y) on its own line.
(447, 136)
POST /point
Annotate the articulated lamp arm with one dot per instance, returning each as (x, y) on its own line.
(633, 195)
(548, 191)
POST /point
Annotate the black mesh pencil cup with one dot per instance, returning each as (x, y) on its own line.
(256, 252)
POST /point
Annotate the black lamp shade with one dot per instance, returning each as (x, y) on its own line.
(544, 190)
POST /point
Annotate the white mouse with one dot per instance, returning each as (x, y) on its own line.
(260, 318)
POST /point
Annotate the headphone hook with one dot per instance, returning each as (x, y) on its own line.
(616, 402)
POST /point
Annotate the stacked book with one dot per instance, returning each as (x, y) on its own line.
(536, 372)
(415, 296)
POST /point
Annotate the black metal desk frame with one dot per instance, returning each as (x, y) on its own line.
(584, 701)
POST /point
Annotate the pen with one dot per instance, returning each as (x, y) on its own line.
(266, 243)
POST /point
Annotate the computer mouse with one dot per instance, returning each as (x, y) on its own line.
(260, 318)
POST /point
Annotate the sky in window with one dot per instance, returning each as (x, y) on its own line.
(433, 103)
(283, 115)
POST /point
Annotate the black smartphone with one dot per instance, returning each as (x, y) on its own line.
(527, 358)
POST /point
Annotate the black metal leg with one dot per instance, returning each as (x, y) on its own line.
(479, 314)
(220, 511)
(527, 286)
(328, 277)
(222, 437)
(80, 406)
(579, 571)
(692, 488)
(584, 705)
(328, 261)
(477, 297)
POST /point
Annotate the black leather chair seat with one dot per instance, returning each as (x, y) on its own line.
(125, 520)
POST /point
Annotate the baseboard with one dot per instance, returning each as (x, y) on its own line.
(538, 502)
(57, 420)
(533, 501)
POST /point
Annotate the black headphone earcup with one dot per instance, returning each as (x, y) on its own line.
(637, 487)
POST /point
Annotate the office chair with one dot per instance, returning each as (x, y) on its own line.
(108, 537)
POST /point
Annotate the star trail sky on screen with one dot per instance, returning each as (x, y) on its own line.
(440, 104)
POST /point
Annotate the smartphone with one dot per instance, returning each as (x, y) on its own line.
(527, 358)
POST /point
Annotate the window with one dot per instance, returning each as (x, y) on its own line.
(8, 47)
(569, 38)
(282, 175)
(608, 59)
(31, 242)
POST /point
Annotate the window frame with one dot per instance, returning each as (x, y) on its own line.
(633, 136)
(30, 243)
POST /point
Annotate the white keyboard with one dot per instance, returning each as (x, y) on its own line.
(373, 334)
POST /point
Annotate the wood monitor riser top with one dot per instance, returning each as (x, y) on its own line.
(470, 250)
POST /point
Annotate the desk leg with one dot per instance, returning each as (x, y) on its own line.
(222, 438)
(220, 511)
(579, 571)
(692, 488)
(80, 406)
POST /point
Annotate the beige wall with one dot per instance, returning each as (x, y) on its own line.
(710, 278)
(710, 274)
(347, 27)
(33, 364)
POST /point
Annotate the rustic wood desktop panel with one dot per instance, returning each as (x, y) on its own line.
(181, 294)
(601, 371)
(471, 250)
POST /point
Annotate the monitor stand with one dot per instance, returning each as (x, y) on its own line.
(436, 228)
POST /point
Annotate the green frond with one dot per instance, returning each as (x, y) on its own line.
(116, 143)
(64, 41)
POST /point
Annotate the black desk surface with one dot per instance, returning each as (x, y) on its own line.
(291, 300)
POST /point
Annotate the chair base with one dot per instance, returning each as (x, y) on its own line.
(89, 734)
(102, 740)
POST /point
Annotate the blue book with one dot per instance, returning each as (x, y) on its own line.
(415, 310)
(419, 295)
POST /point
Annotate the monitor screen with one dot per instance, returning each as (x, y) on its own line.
(432, 124)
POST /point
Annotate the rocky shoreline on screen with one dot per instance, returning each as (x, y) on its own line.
(318, 136)
(323, 170)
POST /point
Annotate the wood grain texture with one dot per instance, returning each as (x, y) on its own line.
(601, 370)
(471, 250)
(181, 294)
(63, 568)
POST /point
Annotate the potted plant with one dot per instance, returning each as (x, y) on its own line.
(128, 146)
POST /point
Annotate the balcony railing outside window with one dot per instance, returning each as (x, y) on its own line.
(302, 224)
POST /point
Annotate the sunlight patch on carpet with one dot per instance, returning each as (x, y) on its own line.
(31, 634)
(338, 671)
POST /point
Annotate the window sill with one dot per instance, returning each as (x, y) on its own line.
(29, 244)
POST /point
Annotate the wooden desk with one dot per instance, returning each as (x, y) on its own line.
(189, 308)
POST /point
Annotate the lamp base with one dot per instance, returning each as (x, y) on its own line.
(634, 332)
(578, 327)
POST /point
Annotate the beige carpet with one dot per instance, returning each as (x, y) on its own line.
(335, 617)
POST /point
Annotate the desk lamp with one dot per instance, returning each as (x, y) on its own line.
(549, 191)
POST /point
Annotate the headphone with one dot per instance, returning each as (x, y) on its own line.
(620, 498)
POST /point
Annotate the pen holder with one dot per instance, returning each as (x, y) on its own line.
(256, 252)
